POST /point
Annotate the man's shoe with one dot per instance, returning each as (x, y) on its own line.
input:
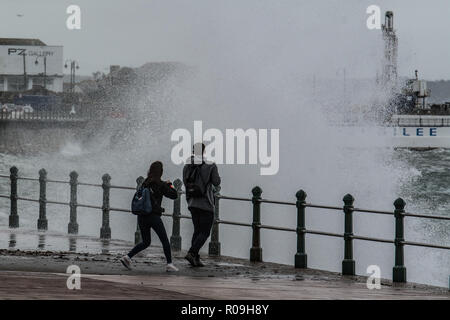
(198, 262)
(191, 258)
(126, 261)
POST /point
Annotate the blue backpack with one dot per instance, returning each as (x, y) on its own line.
(142, 203)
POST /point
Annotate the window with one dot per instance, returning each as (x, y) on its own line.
(39, 81)
(15, 83)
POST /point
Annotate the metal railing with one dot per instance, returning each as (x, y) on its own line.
(300, 261)
(41, 115)
(420, 121)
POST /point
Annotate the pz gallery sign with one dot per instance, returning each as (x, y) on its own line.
(12, 59)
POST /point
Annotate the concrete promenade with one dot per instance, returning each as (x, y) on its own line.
(42, 275)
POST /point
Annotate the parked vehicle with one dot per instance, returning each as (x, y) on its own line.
(27, 109)
(9, 107)
(16, 111)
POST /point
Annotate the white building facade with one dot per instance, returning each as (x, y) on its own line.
(28, 63)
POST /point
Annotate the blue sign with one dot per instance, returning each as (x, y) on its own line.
(418, 132)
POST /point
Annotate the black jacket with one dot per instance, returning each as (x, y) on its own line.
(160, 189)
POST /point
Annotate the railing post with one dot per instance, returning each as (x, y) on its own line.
(348, 264)
(175, 238)
(13, 217)
(399, 270)
(73, 225)
(256, 250)
(105, 230)
(301, 258)
(42, 222)
(214, 244)
(137, 234)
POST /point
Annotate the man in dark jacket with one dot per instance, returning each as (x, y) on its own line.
(205, 175)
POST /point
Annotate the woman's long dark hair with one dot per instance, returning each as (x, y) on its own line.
(155, 172)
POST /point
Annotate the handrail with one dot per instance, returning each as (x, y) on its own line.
(234, 198)
(311, 205)
(372, 239)
(426, 216)
(319, 206)
(57, 181)
(89, 184)
(372, 211)
(418, 244)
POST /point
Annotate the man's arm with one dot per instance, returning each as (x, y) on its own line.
(185, 170)
(215, 178)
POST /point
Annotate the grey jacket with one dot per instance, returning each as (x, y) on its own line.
(209, 178)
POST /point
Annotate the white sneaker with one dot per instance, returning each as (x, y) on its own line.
(126, 261)
(171, 268)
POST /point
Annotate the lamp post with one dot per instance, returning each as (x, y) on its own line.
(45, 69)
(73, 66)
(24, 72)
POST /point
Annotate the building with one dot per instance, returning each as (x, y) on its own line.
(29, 63)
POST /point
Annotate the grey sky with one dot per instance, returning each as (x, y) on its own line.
(312, 37)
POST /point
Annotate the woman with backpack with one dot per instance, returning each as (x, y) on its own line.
(158, 189)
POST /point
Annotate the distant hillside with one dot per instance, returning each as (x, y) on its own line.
(440, 91)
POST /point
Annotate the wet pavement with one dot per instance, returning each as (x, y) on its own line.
(29, 271)
(42, 275)
(33, 240)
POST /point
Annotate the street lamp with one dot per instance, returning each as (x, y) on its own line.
(45, 69)
(73, 66)
(24, 55)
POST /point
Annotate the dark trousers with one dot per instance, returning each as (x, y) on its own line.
(147, 222)
(203, 221)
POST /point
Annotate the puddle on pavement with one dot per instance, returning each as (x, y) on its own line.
(33, 240)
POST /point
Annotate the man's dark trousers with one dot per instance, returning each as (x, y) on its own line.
(203, 221)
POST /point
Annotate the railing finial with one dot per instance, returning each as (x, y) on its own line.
(13, 170)
(301, 195)
(399, 204)
(139, 181)
(177, 184)
(74, 175)
(257, 191)
(348, 200)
